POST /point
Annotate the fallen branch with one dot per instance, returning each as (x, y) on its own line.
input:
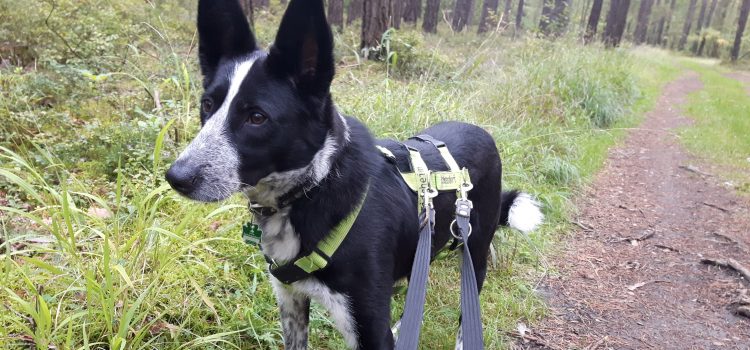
(660, 246)
(582, 226)
(721, 235)
(645, 236)
(538, 341)
(693, 169)
(743, 311)
(716, 207)
(641, 284)
(642, 238)
(731, 264)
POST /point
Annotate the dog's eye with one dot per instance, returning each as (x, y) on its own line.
(256, 118)
(207, 106)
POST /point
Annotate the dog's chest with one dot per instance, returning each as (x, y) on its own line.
(280, 242)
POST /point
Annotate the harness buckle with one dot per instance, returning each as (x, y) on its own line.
(463, 209)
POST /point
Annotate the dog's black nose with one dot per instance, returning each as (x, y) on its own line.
(182, 178)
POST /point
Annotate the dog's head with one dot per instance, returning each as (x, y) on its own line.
(262, 113)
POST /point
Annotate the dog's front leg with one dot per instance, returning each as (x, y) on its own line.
(295, 316)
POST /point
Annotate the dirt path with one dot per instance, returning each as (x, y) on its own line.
(632, 277)
(743, 77)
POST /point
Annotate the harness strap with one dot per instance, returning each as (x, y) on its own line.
(442, 148)
(321, 255)
(447, 180)
(418, 180)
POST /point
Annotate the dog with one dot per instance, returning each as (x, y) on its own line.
(270, 128)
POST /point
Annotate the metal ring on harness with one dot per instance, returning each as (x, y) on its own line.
(458, 237)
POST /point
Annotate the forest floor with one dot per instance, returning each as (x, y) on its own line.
(634, 275)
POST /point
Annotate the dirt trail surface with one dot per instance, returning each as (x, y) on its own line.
(743, 77)
(632, 276)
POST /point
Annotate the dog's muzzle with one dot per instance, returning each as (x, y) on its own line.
(183, 178)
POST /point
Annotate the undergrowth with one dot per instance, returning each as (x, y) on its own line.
(97, 252)
(721, 129)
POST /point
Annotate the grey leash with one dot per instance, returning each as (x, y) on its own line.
(411, 323)
(471, 321)
(471, 318)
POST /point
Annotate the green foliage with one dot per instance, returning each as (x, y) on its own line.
(714, 43)
(407, 56)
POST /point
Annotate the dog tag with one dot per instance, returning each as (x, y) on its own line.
(251, 233)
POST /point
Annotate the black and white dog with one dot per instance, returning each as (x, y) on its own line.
(269, 126)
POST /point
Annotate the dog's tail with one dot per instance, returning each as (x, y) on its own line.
(520, 211)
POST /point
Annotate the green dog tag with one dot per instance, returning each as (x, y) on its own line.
(251, 233)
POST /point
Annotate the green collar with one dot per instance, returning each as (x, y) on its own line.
(321, 255)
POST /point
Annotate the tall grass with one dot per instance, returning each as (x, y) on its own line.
(722, 126)
(97, 252)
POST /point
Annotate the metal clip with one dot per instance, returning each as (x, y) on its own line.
(429, 193)
(458, 236)
(464, 190)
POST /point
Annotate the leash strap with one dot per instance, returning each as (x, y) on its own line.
(471, 319)
(411, 322)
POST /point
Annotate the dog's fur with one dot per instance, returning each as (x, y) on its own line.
(269, 126)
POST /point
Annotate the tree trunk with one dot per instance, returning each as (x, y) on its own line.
(654, 27)
(489, 11)
(701, 16)
(462, 14)
(641, 28)
(687, 25)
(519, 16)
(354, 11)
(741, 23)
(431, 15)
(397, 11)
(375, 16)
(336, 13)
(507, 10)
(546, 18)
(701, 46)
(591, 26)
(617, 17)
(710, 15)
(562, 14)
(722, 15)
(412, 10)
(664, 30)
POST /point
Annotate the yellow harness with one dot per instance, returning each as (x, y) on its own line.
(422, 179)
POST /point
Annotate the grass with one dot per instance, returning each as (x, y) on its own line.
(97, 252)
(721, 128)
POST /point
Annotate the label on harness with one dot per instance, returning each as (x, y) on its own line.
(251, 233)
(447, 179)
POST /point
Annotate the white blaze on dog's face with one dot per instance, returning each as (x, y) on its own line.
(261, 113)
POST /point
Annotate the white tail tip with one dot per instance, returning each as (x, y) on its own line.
(524, 214)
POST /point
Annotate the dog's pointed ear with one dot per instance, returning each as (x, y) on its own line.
(223, 33)
(303, 49)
